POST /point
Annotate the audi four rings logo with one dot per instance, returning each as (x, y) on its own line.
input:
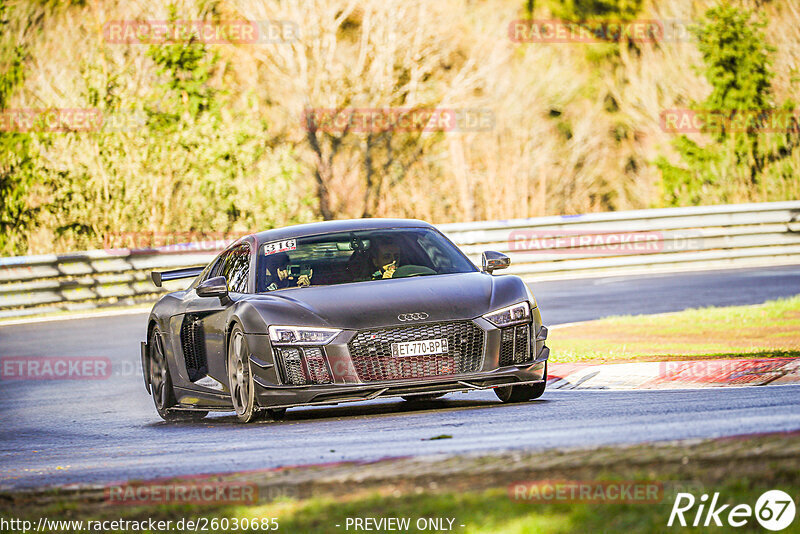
(412, 316)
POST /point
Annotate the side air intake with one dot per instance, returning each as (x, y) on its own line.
(194, 347)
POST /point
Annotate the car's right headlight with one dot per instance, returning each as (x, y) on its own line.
(509, 315)
(301, 335)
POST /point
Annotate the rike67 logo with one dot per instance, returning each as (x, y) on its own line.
(774, 510)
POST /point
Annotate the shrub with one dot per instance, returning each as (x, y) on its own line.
(735, 165)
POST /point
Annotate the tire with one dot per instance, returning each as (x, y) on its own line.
(161, 384)
(240, 378)
(418, 398)
(524, 393)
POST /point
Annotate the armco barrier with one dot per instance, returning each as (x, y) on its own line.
(595, 244)
(704, 237)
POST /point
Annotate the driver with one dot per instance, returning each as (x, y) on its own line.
(278, 270)
(385, 260)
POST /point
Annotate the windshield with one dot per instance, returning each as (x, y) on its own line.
(360, 256)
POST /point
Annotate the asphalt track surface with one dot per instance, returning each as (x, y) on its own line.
(102, 431)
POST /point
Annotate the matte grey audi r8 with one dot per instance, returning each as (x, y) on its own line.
(340, 311)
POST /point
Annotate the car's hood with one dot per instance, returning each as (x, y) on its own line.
(379, 303)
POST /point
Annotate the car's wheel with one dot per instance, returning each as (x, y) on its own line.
(522, 393)
(161, 384)
(240, 378)
(519, 393)
(413, 398)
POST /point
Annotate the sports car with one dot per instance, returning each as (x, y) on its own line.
(340, 311)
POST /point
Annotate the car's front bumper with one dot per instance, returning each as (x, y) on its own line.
(280, 396)
(346, 386)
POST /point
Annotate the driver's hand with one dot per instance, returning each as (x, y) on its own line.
(389, 270)
(304, 280)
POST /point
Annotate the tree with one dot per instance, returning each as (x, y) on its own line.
(16, 161)
(738, 64)
(403, 61)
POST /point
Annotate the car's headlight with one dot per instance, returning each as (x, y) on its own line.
(509, 315)
(301, 335)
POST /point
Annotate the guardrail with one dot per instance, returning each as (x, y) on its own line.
(595, 244)
(669, 239)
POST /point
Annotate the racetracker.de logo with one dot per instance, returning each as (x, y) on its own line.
(124, 243)
(186, 492)
(378, 120)
(156, 32)
(581, 242)
(726, 371)
(565, 31)
(734, 121)
(55, 368)
(65, 120)
(590, 491)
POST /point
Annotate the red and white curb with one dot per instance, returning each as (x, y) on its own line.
(674, 374)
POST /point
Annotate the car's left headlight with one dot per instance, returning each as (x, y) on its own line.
(301, 335)
(509, 315)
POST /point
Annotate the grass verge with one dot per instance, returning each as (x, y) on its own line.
(765, 330)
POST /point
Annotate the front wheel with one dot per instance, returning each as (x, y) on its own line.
(161, 384)
(522, 393)
(240, 378)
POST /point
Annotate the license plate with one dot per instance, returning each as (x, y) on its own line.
(419, 348)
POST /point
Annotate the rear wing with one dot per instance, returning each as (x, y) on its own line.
(189, 272)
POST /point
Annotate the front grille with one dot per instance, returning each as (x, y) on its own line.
(515, 345)
(371, 351)
(194, 347)
(317, 368)
(292, 366)
(303, 366)
(506, 346)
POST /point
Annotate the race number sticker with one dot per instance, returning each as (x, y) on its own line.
(280, 246)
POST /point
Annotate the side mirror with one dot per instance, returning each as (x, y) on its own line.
(491, 261)
(213, 287)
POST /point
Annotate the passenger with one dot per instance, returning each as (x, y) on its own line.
(278, 273)
(359, 266)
